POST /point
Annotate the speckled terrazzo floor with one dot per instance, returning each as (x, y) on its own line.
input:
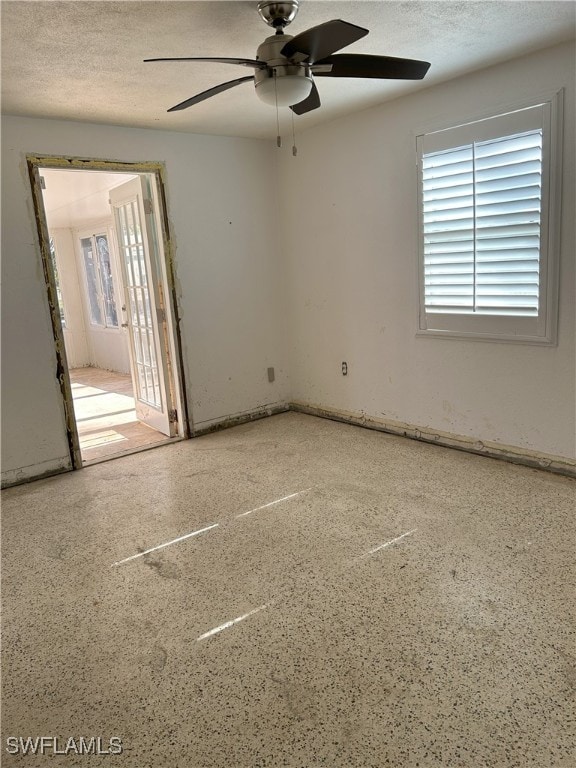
(352, 600)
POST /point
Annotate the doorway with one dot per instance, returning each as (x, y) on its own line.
(106, 254)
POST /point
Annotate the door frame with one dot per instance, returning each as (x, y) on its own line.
(158, 171)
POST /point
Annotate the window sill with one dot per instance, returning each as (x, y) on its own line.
(540, 341)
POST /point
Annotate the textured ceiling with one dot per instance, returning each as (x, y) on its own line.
(83, 60)
(73, 197)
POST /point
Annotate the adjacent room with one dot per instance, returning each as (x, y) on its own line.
(289, 384)
(106, 302)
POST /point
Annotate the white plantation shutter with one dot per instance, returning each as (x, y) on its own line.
(484, 193)
(482, 208)
(448, 207)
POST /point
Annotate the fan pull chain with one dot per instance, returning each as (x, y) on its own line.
(278, 137)
(294, 147)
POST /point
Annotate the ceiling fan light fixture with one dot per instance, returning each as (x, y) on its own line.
(284, 91)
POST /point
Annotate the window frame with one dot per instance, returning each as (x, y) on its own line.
(541, 329)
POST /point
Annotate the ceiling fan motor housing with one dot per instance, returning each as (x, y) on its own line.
(283, 82)
(278, 14)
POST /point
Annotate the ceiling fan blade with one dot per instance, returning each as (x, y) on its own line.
(242, 62)
(210, 92)
(318, 42)
(310, 103)
(362, 65)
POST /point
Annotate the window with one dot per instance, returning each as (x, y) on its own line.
(102, 306)
(488, 226)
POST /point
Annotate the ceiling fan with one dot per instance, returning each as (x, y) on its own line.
(285, 66)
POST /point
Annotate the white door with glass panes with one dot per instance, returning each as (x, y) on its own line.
(144, 313)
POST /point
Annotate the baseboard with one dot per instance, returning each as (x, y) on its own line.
(558, 464)
(239, 418)
(11, 477)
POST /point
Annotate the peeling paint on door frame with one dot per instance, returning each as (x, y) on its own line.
(156, 169)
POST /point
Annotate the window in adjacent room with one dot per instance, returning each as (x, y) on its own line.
(489, 226)
(57, 282)
(99, 282)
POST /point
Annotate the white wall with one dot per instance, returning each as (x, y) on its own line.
(349, 212)
(109, 348)
(223, 212)
(349, 277)
(74, 332)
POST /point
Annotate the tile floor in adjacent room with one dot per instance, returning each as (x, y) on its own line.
(105, 415)
(293, 592)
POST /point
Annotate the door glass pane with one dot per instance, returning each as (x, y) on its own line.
(146, 308)
(145, 348)
(121, 220)
(138, 346)
(129, 224)
(142, 382)
(142, 319)
(156, 385)
(151, 348)
(132, 294)
(136, 269)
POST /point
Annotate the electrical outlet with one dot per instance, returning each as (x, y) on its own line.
(344, 369)
(271, 375)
